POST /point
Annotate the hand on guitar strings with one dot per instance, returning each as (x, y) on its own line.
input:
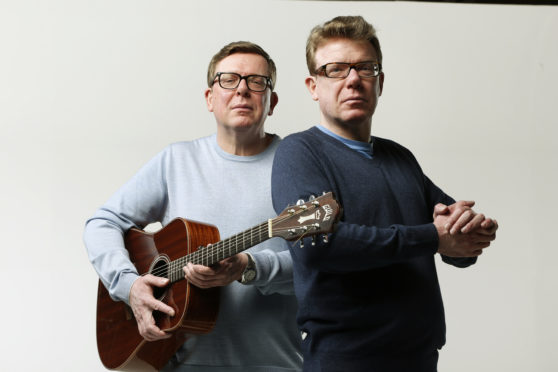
(143, 304)
(218, 275)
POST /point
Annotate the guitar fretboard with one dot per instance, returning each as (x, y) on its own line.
(214, 253)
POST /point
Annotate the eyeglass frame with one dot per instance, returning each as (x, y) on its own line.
(269, 83)
(322, 69)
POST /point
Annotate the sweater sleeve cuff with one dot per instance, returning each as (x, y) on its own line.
(263, 268)
(425, 238)
(274, 271)
(121, 290)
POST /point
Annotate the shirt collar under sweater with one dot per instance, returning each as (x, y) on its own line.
(364, 148)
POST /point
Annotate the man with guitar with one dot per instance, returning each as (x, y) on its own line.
(369, 298)
(224, 180)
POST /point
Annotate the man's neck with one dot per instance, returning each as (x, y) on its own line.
(353, 131)
(243, 143)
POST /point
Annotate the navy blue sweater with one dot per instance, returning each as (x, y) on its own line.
(370, 297)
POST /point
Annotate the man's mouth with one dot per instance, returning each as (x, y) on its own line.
(354, 99)
(242, 107)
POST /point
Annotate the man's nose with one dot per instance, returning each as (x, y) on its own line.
(242, 87)
(353, 73)
(353, 78)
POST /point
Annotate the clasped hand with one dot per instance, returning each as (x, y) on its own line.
(462, 232)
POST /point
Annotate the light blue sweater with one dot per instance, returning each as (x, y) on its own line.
(197, 180)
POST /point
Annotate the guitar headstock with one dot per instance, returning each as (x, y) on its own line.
(316, 216)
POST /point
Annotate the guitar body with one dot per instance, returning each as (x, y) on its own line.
(119, 343)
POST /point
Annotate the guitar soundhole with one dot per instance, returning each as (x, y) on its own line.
(160, 268)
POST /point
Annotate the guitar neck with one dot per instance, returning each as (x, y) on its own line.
(214, 253)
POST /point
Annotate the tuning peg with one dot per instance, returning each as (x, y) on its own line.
(301, 203)
(313, 241)
(311, 197)
(301, 243)
(325, 239)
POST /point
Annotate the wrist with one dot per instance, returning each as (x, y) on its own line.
(249, 273)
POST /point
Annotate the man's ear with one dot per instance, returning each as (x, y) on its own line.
(273, 100)
(209, 99)
(310, 82)
(381, 82)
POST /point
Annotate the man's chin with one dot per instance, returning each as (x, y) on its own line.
(356, 117)
(242, 126)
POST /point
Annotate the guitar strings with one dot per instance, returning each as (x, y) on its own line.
(203, 255)
(212, 252)
(208, 255)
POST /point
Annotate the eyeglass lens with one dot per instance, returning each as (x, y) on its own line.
(342, 70)
(229, 80)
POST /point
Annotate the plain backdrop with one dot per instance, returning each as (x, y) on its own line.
(90, 90)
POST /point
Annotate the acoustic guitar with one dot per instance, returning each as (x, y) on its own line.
(164, 254)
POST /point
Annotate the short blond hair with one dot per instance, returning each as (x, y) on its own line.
(240, 47)
(348, 27)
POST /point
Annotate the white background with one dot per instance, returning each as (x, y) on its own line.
(90, 90)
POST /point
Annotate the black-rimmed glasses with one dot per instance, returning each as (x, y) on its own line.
(342, 69)
(231, 80)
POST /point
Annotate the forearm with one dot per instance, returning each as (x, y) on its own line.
(135, 204)
(105, 248)
(355, 247)
(274, 271)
